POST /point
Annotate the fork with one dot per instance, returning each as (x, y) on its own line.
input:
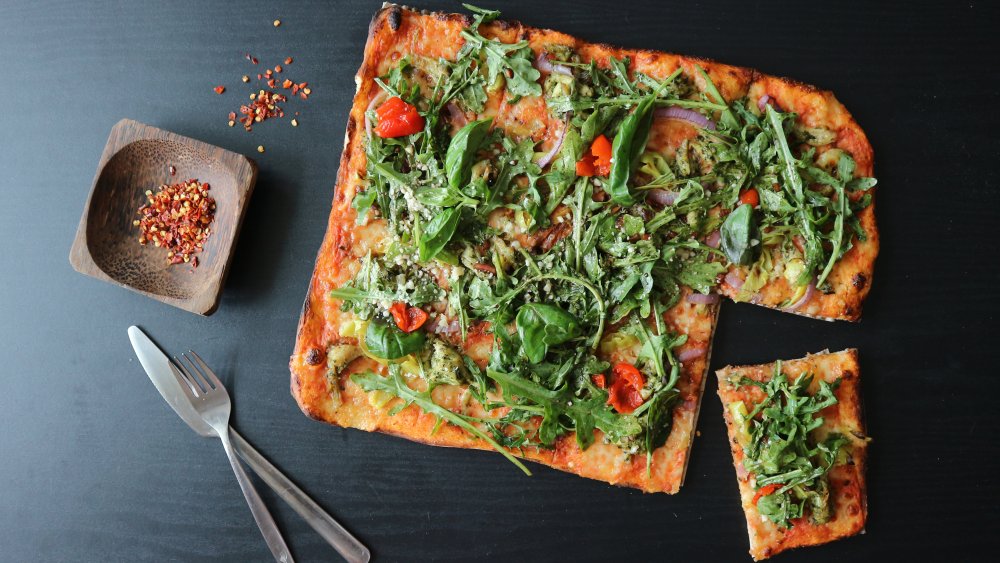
(209, 397)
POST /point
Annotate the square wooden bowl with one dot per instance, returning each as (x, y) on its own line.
(137, 158)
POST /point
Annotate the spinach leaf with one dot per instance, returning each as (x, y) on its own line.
(741, 236)
(626, 149)
(462, 151)
(542, 325)
(388, 342)
(437, 233)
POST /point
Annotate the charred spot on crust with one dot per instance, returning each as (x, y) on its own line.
(395, 18)
(859, 280)
(314, 356)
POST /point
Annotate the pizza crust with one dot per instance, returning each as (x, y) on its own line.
(847, 481)
(396, 31)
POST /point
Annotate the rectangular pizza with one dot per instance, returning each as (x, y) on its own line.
(799, 448)
(530, 235)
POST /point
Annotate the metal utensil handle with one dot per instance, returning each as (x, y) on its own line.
(261, 515)
(335, 534)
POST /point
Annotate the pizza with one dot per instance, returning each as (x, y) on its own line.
(530, 234)
(799, 448)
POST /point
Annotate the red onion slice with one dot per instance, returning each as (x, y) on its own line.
(547, 158)
(661, 197)
(456, 115)
(543, 64)
(763, 101)
(691, 353)
(734, 280)
(685, 114)
(806, 297)
(371, 105)
(714, 238)
(702, 299)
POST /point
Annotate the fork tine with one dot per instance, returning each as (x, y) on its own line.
(196, 374)
(196, 388)
(183, 380)
(206, 370)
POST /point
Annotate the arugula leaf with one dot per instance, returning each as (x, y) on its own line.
(782, 451)
(500, 57)
(659, 422)
(388, 342)
(395, 385)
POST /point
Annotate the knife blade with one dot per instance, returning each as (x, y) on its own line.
(157, 366)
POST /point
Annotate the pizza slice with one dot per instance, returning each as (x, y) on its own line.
(530, 233)
(799, 448)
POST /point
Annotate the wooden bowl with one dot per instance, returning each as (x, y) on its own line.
(137, 158)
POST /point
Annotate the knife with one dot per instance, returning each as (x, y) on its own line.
(157, 366)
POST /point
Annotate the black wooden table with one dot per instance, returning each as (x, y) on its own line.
(94, 466)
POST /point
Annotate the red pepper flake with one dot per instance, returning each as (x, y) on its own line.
(264, 105)
(177, 218)
(232, 116)
(219, 89)
(253, 60)
(288, 61)
(259, 76)
(270, 83)
(268, 73)
(277, 68)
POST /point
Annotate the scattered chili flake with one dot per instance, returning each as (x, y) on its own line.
(264, 105)
(232, 116)
(277, 68)
(232, 122)
(245, 78)
(288, 61)
(253, 60)
(259, 76)
(286, 84)
(277, 23)
(260, 148)
(177, 218)
(295, 122)
(219, 89)
(270, 82)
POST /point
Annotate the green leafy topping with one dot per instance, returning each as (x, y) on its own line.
(540, 325)
(502, 57)
(783, 451)
(483, 238)
(396, 386)
(388, 342)
(740, 236)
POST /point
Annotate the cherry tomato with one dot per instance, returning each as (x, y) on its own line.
(585, 166)
(407, 318)
(750, 197)
(624, 394)
(601, 150)
(397, 118)
(766, 490)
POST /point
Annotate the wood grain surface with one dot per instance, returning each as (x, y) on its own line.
(138, 158)
(95, 467)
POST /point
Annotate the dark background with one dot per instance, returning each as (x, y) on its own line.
(94, 466)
